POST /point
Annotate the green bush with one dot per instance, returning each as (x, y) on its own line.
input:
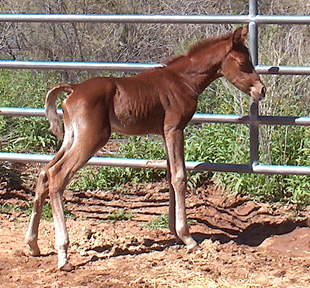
(25, 89)
(215, 143)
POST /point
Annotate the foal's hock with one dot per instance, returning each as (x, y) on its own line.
(160, 101)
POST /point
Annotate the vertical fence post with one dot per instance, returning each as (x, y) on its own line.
(253, 47)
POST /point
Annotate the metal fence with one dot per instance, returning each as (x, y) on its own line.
(253, 119)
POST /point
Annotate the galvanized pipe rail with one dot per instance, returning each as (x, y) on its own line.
(254, 119)
(162, 164)
(197, 118)
(131, 67)
(159, 19)
(190, 165)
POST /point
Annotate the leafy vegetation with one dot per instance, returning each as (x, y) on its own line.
(215, 143)
(25, 89)
(161, 221)
(8, 207)
(120, 215)
(46, 211)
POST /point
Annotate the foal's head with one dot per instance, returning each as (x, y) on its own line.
(238, 68)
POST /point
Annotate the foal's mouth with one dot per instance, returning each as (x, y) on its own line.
(258, 93)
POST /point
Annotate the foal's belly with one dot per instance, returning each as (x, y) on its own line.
(135, 126)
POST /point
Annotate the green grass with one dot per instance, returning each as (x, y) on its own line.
(120, 215)
(161, 221)
(8, 207)
(25, 134)
(215, 143)
(46, 211)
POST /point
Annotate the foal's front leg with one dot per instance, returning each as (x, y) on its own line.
(174, 140)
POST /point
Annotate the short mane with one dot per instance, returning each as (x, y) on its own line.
(197, 47)
(174, 59)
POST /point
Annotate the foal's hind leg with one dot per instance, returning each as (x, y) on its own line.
(86, 143)
(40, 195)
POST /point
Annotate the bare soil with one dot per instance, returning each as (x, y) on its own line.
(242, 243)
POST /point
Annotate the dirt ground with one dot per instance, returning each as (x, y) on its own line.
(242, 243)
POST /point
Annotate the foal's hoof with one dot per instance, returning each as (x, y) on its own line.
(33, 250)
(67, 267)
(193, 246)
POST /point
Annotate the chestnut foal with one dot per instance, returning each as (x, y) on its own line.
(160, 101)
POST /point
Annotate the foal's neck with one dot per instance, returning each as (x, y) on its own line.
(201, 68)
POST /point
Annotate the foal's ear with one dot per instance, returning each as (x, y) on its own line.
(240, 35)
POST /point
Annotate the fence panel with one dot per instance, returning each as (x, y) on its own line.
(253, 119)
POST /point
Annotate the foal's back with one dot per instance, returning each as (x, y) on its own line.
(143, 103)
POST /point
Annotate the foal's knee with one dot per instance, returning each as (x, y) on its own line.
(56, 181)
(41, 191)
(179, 182)
(42, 179)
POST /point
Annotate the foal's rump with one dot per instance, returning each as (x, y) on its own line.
(87, 95)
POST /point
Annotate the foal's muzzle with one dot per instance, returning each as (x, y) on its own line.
(258, 91)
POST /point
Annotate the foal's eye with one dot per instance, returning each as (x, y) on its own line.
(245, 67)
(241, 64)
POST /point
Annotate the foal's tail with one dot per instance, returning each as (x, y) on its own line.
(51, 109)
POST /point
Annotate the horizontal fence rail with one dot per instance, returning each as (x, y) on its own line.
(197, 118)
(160, 19)
(89, 66)
(162, 164)
(253, 120)
(131, 67)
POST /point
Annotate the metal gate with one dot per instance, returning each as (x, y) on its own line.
(253, 119)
